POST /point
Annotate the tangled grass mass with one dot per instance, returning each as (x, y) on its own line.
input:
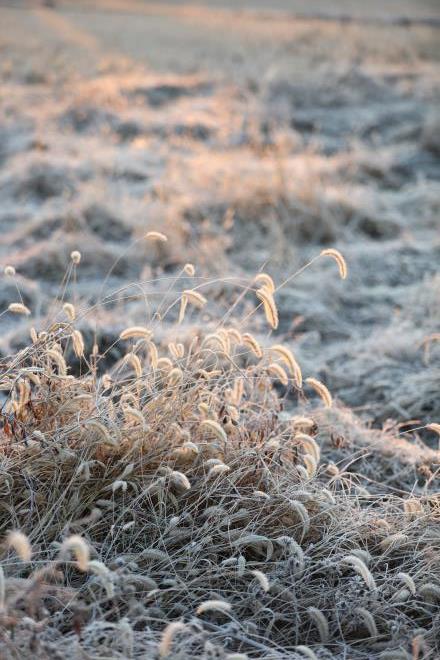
(199, 499)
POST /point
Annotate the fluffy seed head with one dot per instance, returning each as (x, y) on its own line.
(19, 308)
(69, 310)
(79, 548)
(20, 543)
(56, 357)
(266, 296)
(322, 390)
(133, 361)
(263, 279)
(195, 298)
(368, 621)
(262, 579)
(189, 270)
(168, 635)
(214, 606)
(156, 236)
(135, 331)
(309, 444)
(337, 256)
(215, 428)
(10, 271)
(287, 356)
(276, 371)
(250, 341)
(100, 430)
(78, 343)
(218, 469)
(76, 257)
(320, 622)
(361, 568)
(181, 480)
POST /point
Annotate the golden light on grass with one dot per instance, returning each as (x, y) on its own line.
(321, 390)
(270, 309)
(340, 261)
(135, 331)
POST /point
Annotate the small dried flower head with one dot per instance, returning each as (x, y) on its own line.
(10, 271)
(250, 341)
(156, 236)
(215, 428)
(79, 548)
(135, 331)
(276, 371)
(75, 256)
(100, 431)
(361, 568)
(337, 256)
(168, 635)
(214, 606)
(20, 543)
(287, 356)
(270, 309)
(78, 343)
(180, 480)
(322, 390)
(189, 270)
(19, 308)
(262, 579)
(195, 298)
(69, 310)
(320, 621)
(263, 279)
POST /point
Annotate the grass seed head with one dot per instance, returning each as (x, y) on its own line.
(20, 542)
(337, 256)
(156, 236)
(19, 308)
(322, 390)
(214, 606)
(79, 548)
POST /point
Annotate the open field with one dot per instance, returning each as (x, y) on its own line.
(195, 462)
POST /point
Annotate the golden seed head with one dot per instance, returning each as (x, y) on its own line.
(20, 543)
(19, 308)
(156, 236)
(69, 310)
(340, 261)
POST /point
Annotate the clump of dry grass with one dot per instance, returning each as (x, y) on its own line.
(171, 507)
